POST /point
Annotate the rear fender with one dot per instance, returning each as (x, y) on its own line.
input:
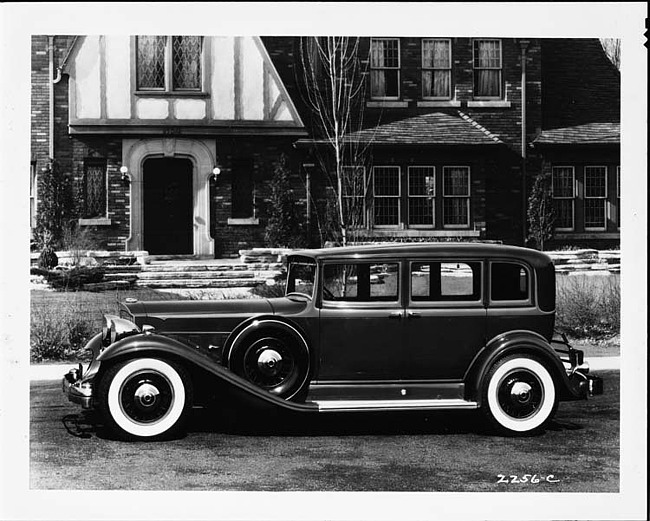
(515, 342)
(151, 344)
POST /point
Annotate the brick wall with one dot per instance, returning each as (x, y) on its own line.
(264, 152)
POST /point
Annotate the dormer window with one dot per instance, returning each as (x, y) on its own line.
(169, 63)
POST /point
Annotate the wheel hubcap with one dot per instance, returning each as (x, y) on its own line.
(146, 397)
(269, 362)
(520, 394)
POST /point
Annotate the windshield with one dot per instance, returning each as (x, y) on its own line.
(301, 278)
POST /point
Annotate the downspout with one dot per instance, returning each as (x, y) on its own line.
(51, 83)
(524, 187)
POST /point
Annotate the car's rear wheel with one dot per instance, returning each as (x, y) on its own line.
(519, 395)
(275, 362)
(145, 398)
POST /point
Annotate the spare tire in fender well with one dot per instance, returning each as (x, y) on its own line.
(271, 353)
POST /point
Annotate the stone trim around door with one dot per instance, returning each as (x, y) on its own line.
(202, 154)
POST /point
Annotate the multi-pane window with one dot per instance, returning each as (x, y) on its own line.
(487, 68)
(242, 188)
(94, 187)
(564, 196)
(386, 191)
(436, 69)
(421, 195)
(455, 196)
(595, 204)
(167, 63)
(354, 195)
(32, 194)
(384, 68)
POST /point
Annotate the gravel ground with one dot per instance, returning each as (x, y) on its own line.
(227, 450)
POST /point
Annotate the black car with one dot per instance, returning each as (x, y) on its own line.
(367, 328)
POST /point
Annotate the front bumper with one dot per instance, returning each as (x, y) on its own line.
(77, 389)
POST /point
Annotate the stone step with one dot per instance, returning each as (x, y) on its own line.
(194, 283)
(161, 275)
(120, 276)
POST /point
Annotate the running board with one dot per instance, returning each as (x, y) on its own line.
(392, 405)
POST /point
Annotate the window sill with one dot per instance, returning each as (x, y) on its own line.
(438, 103)
(411, 232)
(100, 221)
(171, 94)
(387, 104)
(247, 221)
(495, 104)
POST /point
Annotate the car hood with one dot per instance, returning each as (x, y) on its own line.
(171, 314)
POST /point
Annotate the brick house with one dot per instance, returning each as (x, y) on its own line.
(171, 142)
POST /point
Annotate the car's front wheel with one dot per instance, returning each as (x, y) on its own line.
(519, 395)
(145, 398)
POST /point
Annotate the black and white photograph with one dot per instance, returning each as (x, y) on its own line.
(304, 261)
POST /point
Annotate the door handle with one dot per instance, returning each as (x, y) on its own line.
(412, 314)
(396, 315)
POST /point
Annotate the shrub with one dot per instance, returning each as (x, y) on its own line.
(284, 227)
(269, 291)
(75, 278)
(60, 332)
(588, 306)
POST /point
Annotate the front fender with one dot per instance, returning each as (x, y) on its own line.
(525, 342)
(147, 344)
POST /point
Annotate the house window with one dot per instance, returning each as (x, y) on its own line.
(243, 204)
(33, 197)
(386, 191)
(169, 63)
(354, 195)
(487, 69)
(618, 196)
(94, 189)
(564, 196)
(455, 193)
(436, 69)
(421, 196)
(595, 197)
(384, 68)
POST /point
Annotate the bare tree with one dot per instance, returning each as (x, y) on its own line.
(335, 88)
(612, 48)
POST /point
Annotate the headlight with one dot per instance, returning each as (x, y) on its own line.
(116, 328)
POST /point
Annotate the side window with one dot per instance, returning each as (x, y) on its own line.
(509, 281)
(433, 281)
(362, 282)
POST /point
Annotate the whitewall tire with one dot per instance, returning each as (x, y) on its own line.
(519, 395)
(145, 398)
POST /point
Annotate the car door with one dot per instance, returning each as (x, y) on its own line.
(361, 321)
(445, 317)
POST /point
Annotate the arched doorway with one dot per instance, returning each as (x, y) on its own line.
(167, 206)
(169, 159)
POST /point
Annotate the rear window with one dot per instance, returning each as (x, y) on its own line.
(509, 281)
(445, 281)
(361, 282)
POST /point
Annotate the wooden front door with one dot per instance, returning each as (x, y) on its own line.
(168, 206)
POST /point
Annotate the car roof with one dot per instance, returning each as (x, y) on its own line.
(463, 249)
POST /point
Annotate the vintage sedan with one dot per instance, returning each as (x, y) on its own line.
(421, 327)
